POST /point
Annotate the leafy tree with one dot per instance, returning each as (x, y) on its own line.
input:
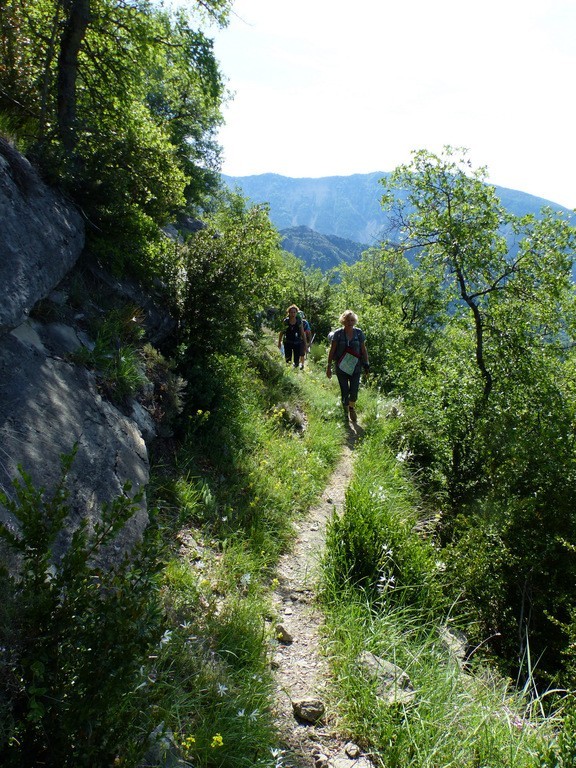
(401, 310)
(120, 98)
(489, 407)
(229, 274)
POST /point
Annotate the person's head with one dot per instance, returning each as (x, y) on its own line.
(292, 311)
(348, 317)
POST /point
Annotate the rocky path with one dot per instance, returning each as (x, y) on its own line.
(301, 670)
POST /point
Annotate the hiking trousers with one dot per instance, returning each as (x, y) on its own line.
(292, 348)
(349, 384)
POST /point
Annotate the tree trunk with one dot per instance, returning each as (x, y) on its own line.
(75, 26)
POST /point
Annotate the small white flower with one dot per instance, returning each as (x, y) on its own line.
(166, 637)
(221, 689)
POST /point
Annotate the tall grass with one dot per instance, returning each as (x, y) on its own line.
(230, 498)
(381, 595)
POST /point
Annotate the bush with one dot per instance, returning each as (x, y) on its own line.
(74, 635)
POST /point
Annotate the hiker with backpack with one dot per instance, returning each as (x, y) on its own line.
(293, 336)
(348, 350)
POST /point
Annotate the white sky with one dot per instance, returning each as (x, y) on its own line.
(336, 87)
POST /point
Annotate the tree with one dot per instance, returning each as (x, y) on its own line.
(229, 274)
(123, 100)
(490, 411)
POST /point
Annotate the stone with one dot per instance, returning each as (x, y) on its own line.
(393, 683)
(310, 710)
(283, 635)
(352, 750)
(47, 406)
(346, 762)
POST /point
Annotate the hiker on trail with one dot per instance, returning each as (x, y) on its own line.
(348, 350)
(293, 336)
(307, 339)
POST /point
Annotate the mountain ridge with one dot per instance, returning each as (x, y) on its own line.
(346, 206)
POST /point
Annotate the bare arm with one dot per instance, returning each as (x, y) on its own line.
(331, 354)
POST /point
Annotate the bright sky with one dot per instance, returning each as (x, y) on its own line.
(334, 87)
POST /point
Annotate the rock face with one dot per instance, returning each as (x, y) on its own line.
(41, 237)
(48, 404)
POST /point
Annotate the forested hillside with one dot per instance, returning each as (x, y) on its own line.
(318, 251)
(461, 515)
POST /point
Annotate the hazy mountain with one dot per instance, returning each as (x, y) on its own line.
(345, 206)
(320, 251)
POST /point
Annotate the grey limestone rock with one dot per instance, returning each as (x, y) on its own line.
(41, 238)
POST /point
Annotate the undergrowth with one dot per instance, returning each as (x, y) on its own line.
(166, 660)
(254, 460)
(382, 594)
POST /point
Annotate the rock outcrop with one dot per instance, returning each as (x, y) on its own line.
(41, 237)
(47, 403)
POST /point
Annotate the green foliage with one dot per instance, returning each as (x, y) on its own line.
(460, 714)
(228, 273)
(74, 633)
(473, 330)
(231, 495)
(118, 103)
(212, 682)
(455, 717)
(115, 356)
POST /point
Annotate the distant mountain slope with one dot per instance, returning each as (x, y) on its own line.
(345, 206)
(320, 251)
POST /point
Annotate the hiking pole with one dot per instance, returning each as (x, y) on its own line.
(310, 345)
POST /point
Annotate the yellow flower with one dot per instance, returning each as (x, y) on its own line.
(217, 741)
(188, 745)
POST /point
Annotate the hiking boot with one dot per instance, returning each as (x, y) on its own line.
(301, 366)
(352, 412)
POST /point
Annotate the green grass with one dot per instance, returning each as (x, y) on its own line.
(380, 595)
(225, 502)
(232, 495)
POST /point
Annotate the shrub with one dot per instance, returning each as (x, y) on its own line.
(74, 634)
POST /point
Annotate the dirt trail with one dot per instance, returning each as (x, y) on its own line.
(301, 670)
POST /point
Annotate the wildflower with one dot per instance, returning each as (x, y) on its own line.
(386, 551)
(166, 637)
(221, 689)
(253, 715)
(217, 741)
(187, 745)
(277, 756)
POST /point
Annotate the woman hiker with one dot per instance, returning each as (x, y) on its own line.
(293, 336)
(348, 349)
